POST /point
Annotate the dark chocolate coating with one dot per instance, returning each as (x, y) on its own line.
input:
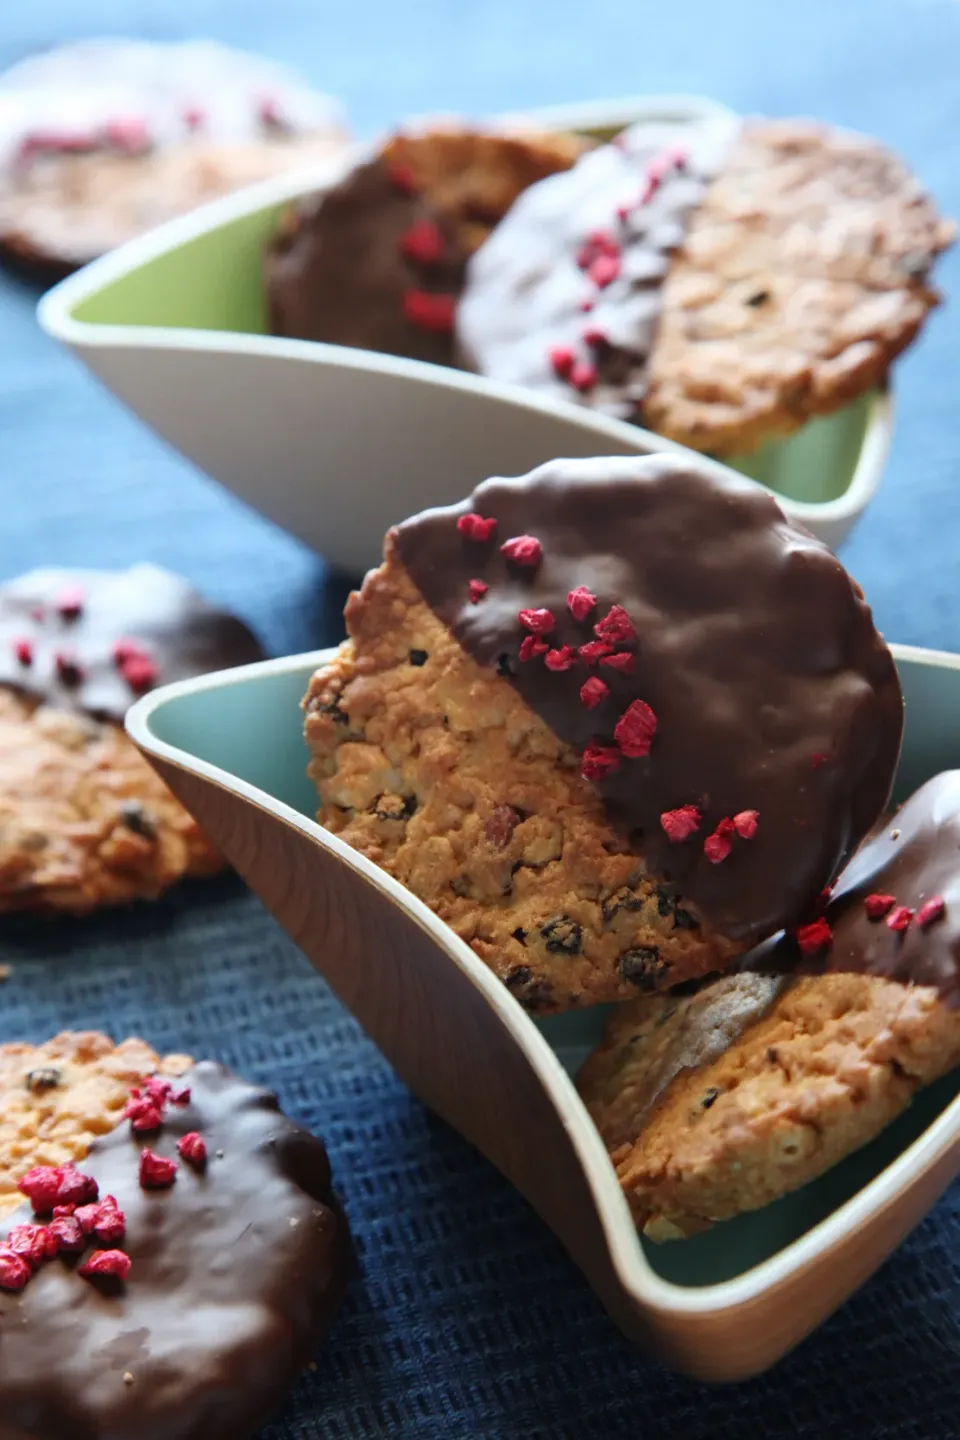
(915, 857)
(236, 1273)
(755, 650)
(336, 272)
(183, 634)
(524, 288)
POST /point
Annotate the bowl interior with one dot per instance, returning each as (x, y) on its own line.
(212, 281)
(256, 737)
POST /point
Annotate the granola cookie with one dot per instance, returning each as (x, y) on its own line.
(717, 1102)
(377, 261)
(172, 1273)
(84, 820)
(810, 1069)
(615, 722)
(104, 139)
(57, 1098)
(718, 287)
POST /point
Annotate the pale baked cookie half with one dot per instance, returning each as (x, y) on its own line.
(718, 1102)
(717, 285)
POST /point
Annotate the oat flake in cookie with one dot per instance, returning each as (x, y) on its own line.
(718, 286)
(616, 721)
(236, 1253)
(103, 139)
(84, 820)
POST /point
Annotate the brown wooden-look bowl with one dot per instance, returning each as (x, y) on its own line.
(722, 1306)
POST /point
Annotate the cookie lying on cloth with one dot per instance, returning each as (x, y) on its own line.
(176, 1252)
(719, 1102)
(377, 262)
(615, 721)
(84, 820)
(719, 286)
(104, 139)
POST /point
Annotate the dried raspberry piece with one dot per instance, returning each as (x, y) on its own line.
(594, 336)
(125, 649)
(64, 1210)
(144, 1116)
(814, 937)
(616, 627)
(680, 824)
(598, 761)
(580, 602)
(623, 661)
(193, 1148)
(717, 846)
(434, 313)
(14, 1270)
(563, 659)
(523, 550)
(532, 647)
(604, 270)
(476, 590)
(561, 359)
(32, 1243)
(111, 1223)
(475, 527)
(593, 692)
(182, 1097)
(156, 1173)
(930, 911)
(85, 1215)
(41, 1185)
(899, 919)
(877, 906)
(69, 671)
(68, 1233)
(586, 304)
(584, 376)
(139, 671)
(745, 823)
(69, 602)
(538, 622)
(157, 1089)
(597, 245)
(23, 649)
(402, 178)
(76, 1188)
(594, 651)
(422, 243)
(112, 1263)
(635, 729)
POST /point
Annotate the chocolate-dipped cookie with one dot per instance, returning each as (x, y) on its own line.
(84, 820)
(104, 139)
(719, 1102)
(377, 262)
(717, 284)
(616, 721)
(197, 1261)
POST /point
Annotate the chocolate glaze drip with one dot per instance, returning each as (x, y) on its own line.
(336, 271)
(236, 1273)
(914, 857)
(527, 286)
(772, 689)
(182, 633)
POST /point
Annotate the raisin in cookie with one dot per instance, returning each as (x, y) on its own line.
(615, 722)
(377, 261)
(176, 1251)
(718, 1102)
(84, 820)
(717, 284)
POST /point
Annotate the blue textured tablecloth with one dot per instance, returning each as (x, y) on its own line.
(465, 1318)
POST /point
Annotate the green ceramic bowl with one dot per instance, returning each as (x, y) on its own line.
(336, 445)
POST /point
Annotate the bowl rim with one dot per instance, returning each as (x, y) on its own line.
(634, 1271)
(55, 310)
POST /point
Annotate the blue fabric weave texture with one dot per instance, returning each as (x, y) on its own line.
(465, 1318)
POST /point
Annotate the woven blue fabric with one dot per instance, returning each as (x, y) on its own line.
(465, 1318)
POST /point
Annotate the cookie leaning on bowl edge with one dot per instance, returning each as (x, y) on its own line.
(716, 1103)
(615, 721)
(720, 289)
(84, 820)
(190, 1290)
